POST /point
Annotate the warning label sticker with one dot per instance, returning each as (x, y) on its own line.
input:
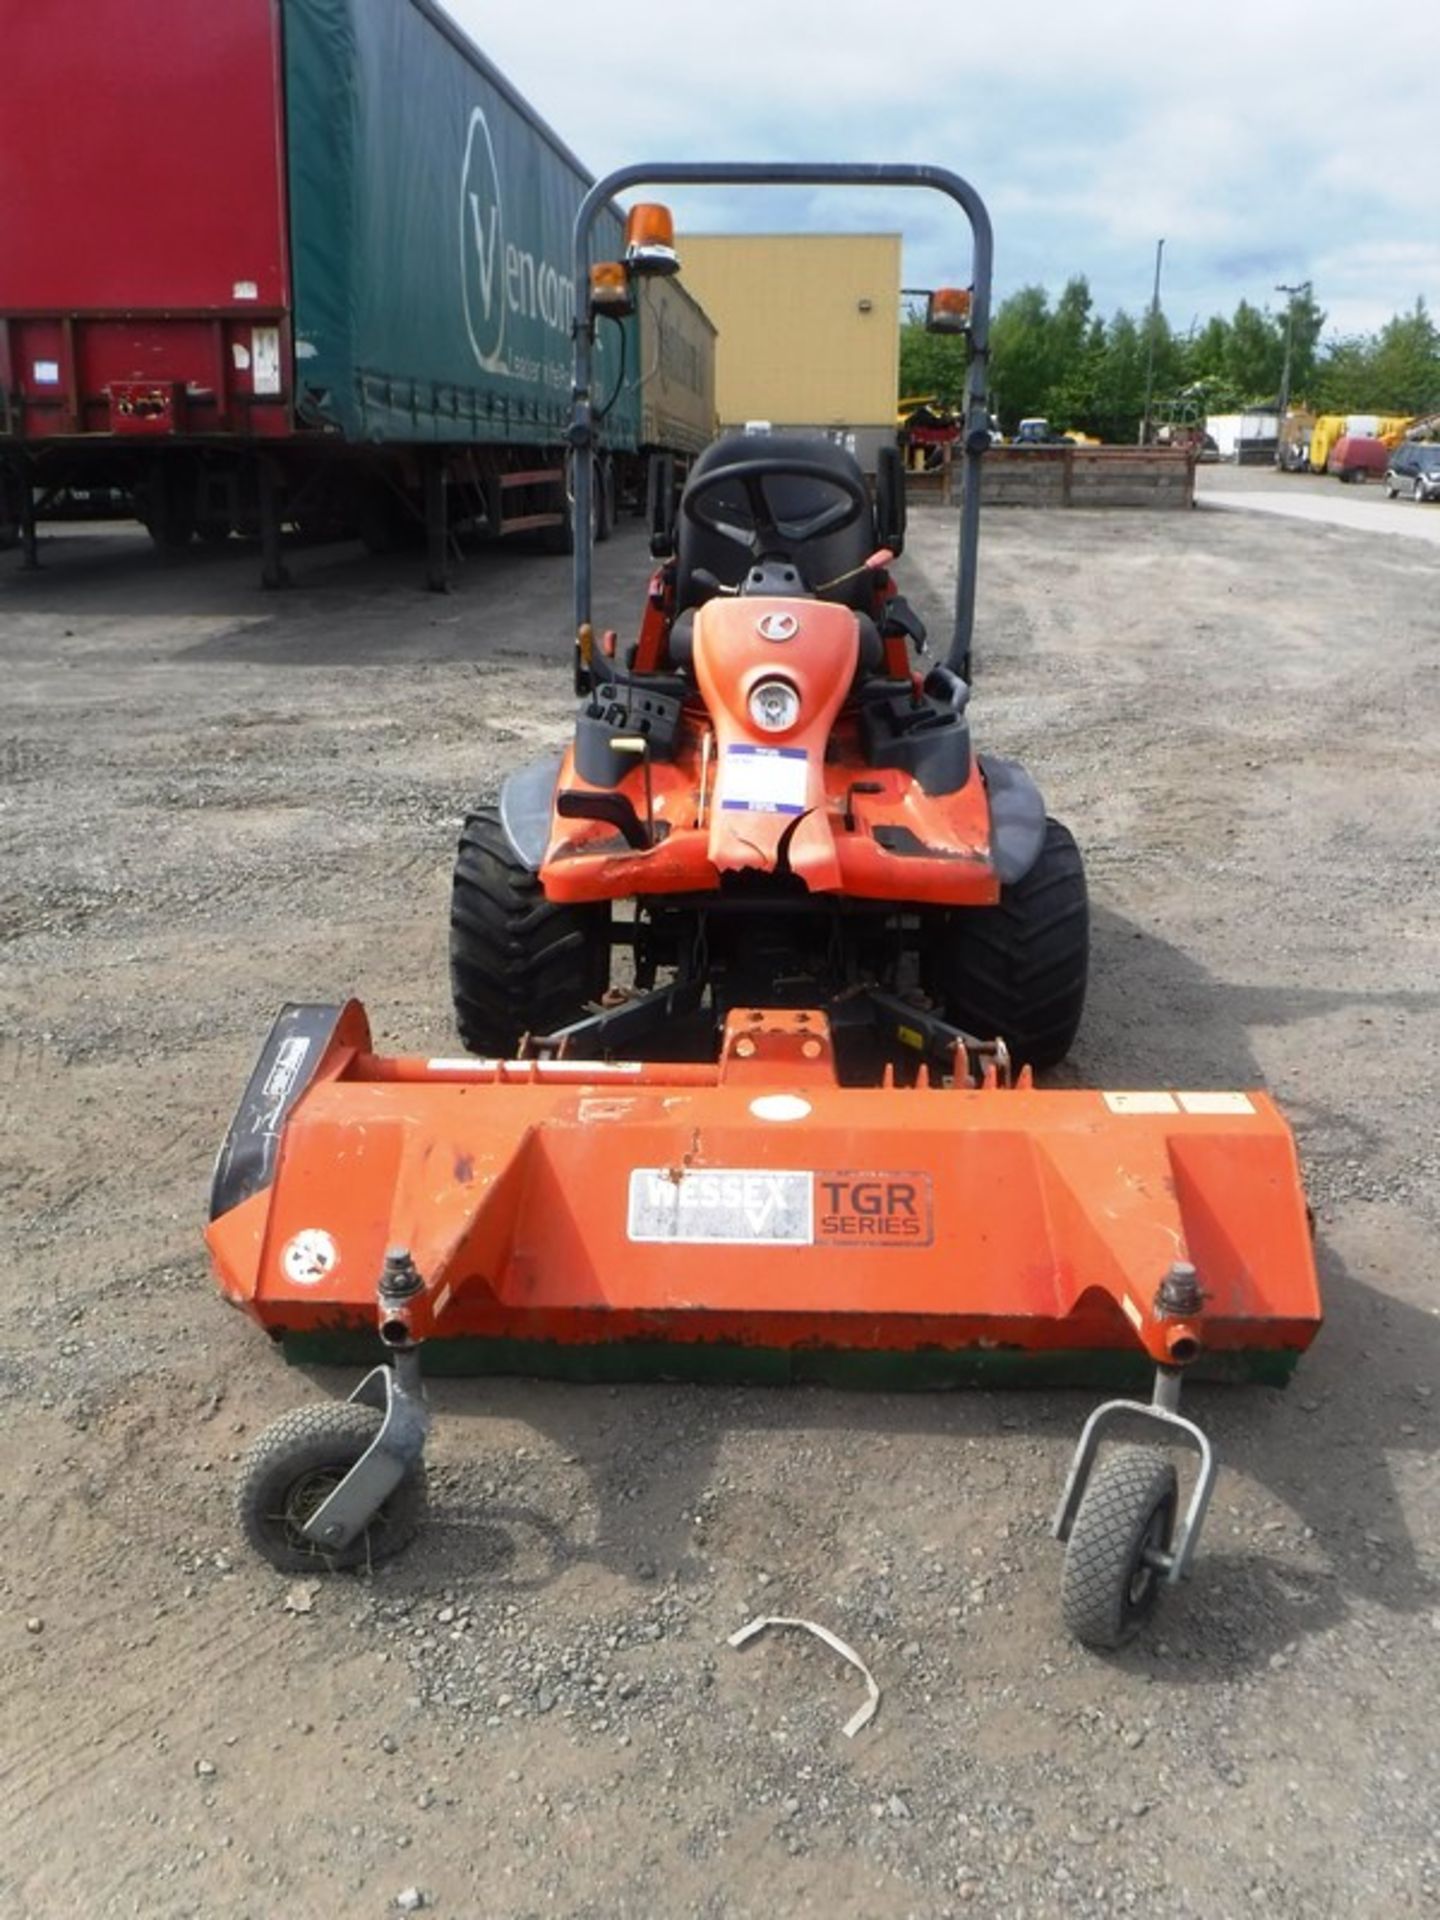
(1216, 1102)
(764, 779)
(769, 1207)
(290, 1057)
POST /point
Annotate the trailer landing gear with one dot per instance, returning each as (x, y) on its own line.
(273, 571)
(1117, 1518)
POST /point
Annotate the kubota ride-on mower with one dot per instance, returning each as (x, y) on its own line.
(802, 1141)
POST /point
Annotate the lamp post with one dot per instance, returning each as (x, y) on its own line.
(1302, 286)
(1150, 348)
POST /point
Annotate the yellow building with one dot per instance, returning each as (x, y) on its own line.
(808, 329)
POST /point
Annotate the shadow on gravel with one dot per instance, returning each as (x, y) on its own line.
(344, 607)
(1155, 1018)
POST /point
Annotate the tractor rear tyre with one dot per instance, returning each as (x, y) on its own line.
(1017, 971)
(294, 1467)
(518, 964)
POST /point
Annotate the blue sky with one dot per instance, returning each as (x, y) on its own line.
(1265, 140)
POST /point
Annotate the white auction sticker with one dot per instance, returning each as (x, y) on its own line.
(731, 1206)
(1216, 1102)
(1141, 1102)
(265, 359)
(764, 779)
(280, 1084)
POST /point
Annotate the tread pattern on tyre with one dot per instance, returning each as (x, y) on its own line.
(518, 963)
(309, 1440)
(1019, 969)
(1125, 1487)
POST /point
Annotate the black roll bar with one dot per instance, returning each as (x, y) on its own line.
(786, 174)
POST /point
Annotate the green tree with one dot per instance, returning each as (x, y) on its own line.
(1068, 364)
(1307, 323)
(1120, 385)
(1343, 376)
(1167, 364)
(1208, 357)
(1405, 365)
(1255, 351)
(933, 363)
(1021, 367)
(1075, 351)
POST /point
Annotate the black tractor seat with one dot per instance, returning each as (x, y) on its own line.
(812, 493)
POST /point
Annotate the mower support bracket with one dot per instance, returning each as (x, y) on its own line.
(628, 1024)
(1175, 1565)
(398, 1394)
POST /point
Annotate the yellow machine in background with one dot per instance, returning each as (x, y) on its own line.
(1329, 427)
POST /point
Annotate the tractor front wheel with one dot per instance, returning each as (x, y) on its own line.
(1017, 971)
(518, 963)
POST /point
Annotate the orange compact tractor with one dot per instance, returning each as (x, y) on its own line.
(795, 1136)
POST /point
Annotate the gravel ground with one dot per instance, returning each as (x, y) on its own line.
(211, 800)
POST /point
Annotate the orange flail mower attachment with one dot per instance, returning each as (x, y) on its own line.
(755, 1203)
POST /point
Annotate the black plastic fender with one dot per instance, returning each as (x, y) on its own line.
(296, 1044)
(527, 799)
(1017, 818)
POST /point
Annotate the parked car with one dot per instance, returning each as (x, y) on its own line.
(1038, 432)
(1414, 469)
(1354, 455)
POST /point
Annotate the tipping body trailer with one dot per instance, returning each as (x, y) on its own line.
(304, 261)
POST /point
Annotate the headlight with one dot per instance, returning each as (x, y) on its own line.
(774, 706)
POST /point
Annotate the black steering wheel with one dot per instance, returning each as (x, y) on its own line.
(768, 534)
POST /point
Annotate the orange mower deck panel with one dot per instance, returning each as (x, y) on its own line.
(756, 1206)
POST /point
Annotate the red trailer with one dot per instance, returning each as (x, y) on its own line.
(294, 260)
(144, 271)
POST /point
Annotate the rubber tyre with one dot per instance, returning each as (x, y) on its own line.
(165, 502)
(1018, 970)
(518, 964)
(1417, 492)
(1107, 1593)
(295, 1464)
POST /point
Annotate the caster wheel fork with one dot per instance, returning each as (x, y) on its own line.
(343, 1485)
(1118, 1519)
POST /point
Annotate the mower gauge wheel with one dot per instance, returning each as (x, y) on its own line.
(1117, 1552)
(294, 1467)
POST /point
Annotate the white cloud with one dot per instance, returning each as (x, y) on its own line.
(1263, 139)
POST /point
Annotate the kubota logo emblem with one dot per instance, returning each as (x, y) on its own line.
(777, 626)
